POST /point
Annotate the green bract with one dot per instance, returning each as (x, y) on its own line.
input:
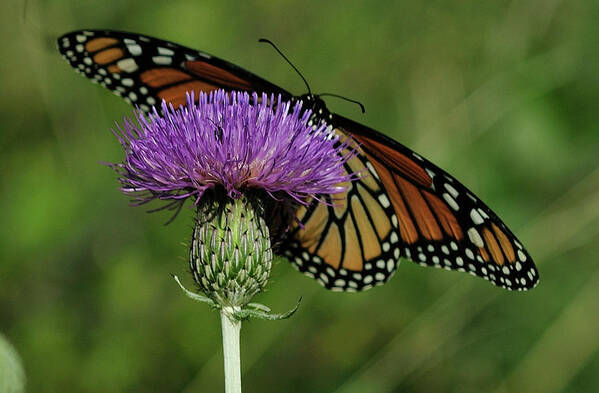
(230, 253)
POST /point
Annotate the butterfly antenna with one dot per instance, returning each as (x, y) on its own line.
(287, 60)
(346, 99)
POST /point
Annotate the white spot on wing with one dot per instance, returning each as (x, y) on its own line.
(450, 201)
(451, 190)
(127, 65)
(384, 200)
(165, 52)
(475, 238)
(469, 253)
(372, 170)
(521, 256)
(134, 49)
(483, 213)
(163, 60)
(390, 265)
(476, 218)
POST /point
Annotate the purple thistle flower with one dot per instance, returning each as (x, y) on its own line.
(234, 141)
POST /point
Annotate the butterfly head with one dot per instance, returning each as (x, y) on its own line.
(316, 105)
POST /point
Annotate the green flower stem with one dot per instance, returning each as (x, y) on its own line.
(231, 331)
(231, 318)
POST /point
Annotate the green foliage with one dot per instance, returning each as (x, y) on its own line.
(12, 377)
(504, 95)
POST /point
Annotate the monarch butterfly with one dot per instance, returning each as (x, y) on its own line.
(405, 207)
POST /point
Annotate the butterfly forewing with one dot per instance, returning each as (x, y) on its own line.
(441, 222)
(401, 206)
(145, 70)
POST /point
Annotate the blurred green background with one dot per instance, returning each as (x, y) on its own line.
(502, 94)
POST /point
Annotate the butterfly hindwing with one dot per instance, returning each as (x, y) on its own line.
(402, 205)
(352, 243)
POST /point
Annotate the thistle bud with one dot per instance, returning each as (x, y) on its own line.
(230, 255)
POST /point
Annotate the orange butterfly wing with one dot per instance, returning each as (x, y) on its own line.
(145, 70)
(432, 220)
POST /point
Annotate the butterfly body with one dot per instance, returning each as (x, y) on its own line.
(402, 206)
